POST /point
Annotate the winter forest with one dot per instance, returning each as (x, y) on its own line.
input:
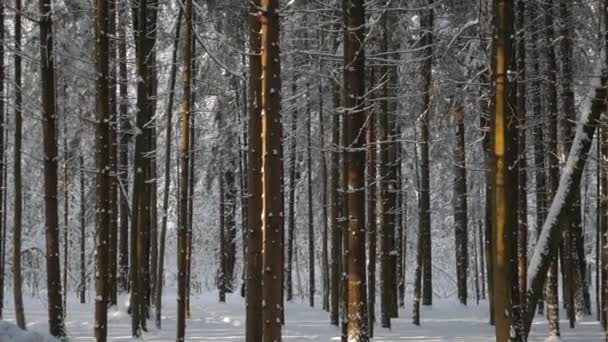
(312, 170)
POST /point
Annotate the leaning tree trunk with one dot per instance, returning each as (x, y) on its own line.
(18, 202)
(53, 269)
(103, 178)
(551, 233)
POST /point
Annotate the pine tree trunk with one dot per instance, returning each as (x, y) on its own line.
(335, 210)
(291, 219)
(426, 43)
(53, 269)
(102, 164)
(82, 287)
(272, 172)
(505, 171)
(419, 249)
(123, 159)
(222, 242)
(3, 168)
(371, 211)
(114, 143)
(522, 210)
(254, 325)
(311, 226)
(17, 177)
(460, 204)
(66, 215)
(324, 200)
(167, 176)
(184, 178)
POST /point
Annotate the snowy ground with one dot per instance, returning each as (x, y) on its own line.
(212, 321)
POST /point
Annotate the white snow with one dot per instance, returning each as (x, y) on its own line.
(446, 321)
(9, 332)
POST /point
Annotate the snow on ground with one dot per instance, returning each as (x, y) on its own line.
(212, 321)
(10, 332)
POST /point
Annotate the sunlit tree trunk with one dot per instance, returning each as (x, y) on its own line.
(272, 172)
(253, 295)
(505, 171)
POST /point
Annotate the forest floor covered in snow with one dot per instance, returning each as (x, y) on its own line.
(214, 321)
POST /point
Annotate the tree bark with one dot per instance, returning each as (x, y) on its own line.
(254, 325)
(17, 177)
(102, 164)
(460, 204)
(53, 269)
(354, 105)
(184, 177)
(371, 192)
(167, 177)
(426, 44)
(272, 172)
(505, 171)
(82, 287)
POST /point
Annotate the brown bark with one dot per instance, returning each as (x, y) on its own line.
(102, 164)
(47, 72)
(272, 172)
(371, 217)
(505, 149)
(184, 178)
(354, 104)
(254, 325)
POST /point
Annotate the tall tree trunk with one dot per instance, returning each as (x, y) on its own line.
(505, 138)
(272, 172)
(324, 199)
(222, 252)
(522, 210)
(3, 168)
(184, 177)
(336, 243)
(311, 223)
(293, 180)
(123, 158)
(553, 159)
(114, 143)
(371, 210)
(539, 136)
(53, 269)
(18, 201)
(460, 204)
(82, 287)
(419, 249)
(254, 325)
(426, 43)
(354, 104)
(102, 164)
(167, 177)
(66, 215)
(139, 203)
